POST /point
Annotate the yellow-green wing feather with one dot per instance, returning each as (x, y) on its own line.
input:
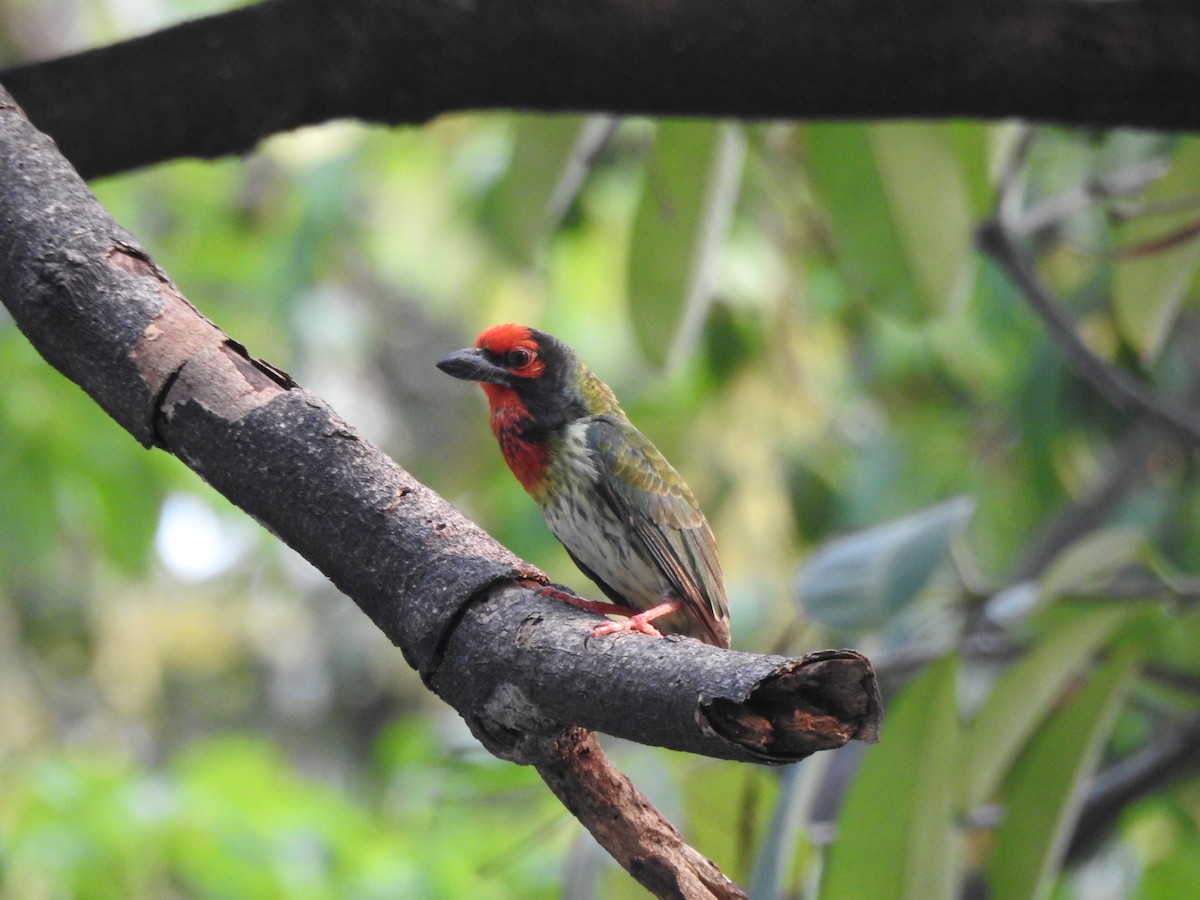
(645, 491)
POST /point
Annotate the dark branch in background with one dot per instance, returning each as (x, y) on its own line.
(1118, 388)
(999, 239)
(1128, 468)
(1174, 752)
(521, 670)
(1172, 755)
(219, 85)
(1081, 516)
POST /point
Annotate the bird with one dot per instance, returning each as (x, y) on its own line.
(624, 515)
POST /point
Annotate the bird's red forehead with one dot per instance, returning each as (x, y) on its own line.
(502, 338)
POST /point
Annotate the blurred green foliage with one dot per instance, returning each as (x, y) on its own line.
(229, 817)
(796, 316)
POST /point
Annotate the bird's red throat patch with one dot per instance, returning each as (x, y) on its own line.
(526, 459)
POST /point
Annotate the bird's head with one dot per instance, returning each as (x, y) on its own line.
(531, 376)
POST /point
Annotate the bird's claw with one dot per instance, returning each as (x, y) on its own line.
(633, 623)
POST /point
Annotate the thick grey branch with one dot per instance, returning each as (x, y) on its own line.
(521, 669)
(221, 84)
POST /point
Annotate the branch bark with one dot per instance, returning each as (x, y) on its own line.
(521, 669)
(218, 85)
(574, 768)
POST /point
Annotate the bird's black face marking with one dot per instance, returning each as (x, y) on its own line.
(552, 396)
(542, 371)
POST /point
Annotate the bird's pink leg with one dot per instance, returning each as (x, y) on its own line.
(633, 621)
(603, 607)
(641, 621)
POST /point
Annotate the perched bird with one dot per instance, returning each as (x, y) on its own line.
(612, 499)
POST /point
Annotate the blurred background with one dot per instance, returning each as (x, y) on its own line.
(890, 448)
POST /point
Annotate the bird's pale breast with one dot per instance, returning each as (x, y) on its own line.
(587, 525)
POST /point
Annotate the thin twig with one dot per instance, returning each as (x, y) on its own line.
(721, 195)
(998, 238)
(595, 135)
(1125, 393)
(1053, 211)
(1082, 515)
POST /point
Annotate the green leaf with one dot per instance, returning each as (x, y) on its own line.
(896, 836)
(667, 228)
(846, 178)
(1091, 561)
(899, 198)
(972, 144)
(1150, 288)
(929, 204)
(1173, 869)
(862, 580)
(708, 799)
(1044, 794)
(542, 148)
(65, 469)
(1025, 695)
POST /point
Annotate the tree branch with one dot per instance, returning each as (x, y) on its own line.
(645, 844)
(521, 669)
(1171, 755)
(1085, 513)
(218, 85)
(998, 239)
(1125, 393)
(1127, 469)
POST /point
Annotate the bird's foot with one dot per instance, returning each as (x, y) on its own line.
(632, 619)
(633, 623)
(639, 622)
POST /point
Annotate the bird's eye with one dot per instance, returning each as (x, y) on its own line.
(519, 357)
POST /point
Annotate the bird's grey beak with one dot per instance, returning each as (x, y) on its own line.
(469, 364)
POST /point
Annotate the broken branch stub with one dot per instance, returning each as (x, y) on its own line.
(543, 670)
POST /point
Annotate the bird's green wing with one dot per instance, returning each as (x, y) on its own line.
(648, 494)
